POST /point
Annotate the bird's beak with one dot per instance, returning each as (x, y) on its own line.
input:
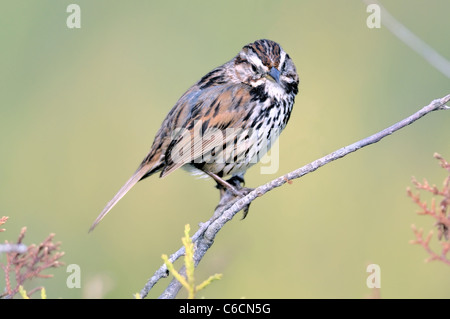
(274, 74)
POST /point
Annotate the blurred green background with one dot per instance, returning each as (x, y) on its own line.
(79, 109)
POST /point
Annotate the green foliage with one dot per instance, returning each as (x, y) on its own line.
(189, 281)
(23, 293)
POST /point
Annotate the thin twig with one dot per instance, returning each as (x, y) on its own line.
(413, 41)
(205, 236)
(16, 248)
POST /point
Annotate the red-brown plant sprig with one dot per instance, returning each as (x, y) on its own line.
(30, 264)
(439, 212)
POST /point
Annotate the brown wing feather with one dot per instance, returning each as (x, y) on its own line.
(217, 112)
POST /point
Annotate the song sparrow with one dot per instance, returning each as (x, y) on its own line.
(226, 121)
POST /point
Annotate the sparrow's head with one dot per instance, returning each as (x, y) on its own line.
(265, 62)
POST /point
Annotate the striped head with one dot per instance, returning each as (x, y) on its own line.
(264, 62)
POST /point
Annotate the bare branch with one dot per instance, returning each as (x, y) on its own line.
(16, 248)
(413, 41)
(230, 206)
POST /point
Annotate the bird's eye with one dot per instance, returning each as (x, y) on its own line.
(254, 68)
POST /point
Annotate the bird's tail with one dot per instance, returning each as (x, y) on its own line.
(145, 170)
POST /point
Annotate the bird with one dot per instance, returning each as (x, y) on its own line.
(225, 122)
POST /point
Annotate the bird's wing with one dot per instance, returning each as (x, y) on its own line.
(214, 119)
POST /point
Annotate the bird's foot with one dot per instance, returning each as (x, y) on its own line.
(231, 190)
